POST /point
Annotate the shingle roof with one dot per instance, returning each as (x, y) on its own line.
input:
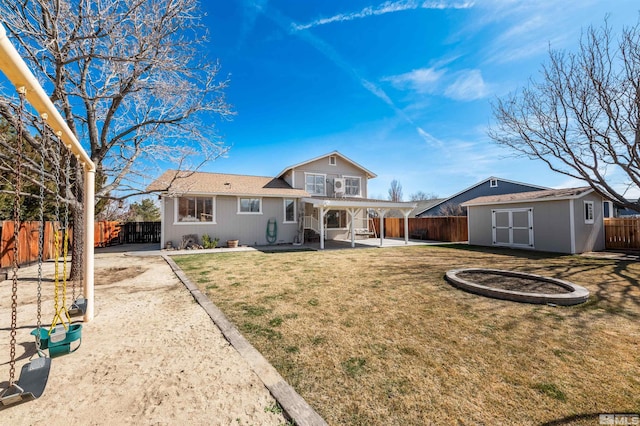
(548, 195)
(369, 173)
(420, 210)
(174, 182)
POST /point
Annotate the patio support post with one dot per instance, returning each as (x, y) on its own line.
(381, 213)
(406, 214)
(321, 217)
(352, 214)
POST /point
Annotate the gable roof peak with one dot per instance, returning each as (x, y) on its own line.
(369, 173)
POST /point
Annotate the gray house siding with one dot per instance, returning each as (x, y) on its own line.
(481, 190)
(249, 229)
(321, 166)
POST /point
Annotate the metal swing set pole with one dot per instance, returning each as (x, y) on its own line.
(17, 71)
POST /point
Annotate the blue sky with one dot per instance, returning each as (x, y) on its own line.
(401, 87)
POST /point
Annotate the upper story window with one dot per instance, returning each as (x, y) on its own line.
(314, 184)
(332, 160)
(195, 209)
(249, 205)
(588, 212)
(352, 186)
(493, 183)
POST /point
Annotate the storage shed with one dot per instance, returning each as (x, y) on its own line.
(556, 220)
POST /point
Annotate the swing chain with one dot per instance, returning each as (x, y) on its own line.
(43, 152)
(16, 237)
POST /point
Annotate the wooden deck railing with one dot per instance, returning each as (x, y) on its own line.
(622, 233)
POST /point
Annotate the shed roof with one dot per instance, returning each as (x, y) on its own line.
(174, 182)
(520, 197)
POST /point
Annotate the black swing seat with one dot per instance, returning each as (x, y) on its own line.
(78, 307)
(30, 385)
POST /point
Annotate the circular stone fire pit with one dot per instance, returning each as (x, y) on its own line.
(517, 286)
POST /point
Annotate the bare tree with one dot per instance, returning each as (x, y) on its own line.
(395, 191)
(131, 78)
(583, 118)
(422, 196)
(452, 209)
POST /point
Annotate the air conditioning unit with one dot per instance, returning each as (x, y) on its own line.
(338, 186)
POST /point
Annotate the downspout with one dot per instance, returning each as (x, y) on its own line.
(17, 71)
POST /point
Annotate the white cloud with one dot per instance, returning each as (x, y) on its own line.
(422, 80)
(384, 8)
(468, 86)
(429, 138)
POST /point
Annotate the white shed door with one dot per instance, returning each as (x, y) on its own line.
(512, 227)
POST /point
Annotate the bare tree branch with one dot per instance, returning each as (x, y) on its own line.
(583, 118)
(131, 78)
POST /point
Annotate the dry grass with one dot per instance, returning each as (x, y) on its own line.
(376, 336)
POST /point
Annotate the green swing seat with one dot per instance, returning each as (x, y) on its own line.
(59, 342)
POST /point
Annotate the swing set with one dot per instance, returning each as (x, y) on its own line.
(62, 334)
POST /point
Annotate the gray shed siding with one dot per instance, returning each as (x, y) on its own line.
(589, 237)
(481, 190)
(551, 225)
(249, 229)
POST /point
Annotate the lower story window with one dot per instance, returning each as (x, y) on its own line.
(249, 205)
(289, 210)
(195, 209)
(336, 219)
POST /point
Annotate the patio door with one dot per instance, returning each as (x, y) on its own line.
(512, 227)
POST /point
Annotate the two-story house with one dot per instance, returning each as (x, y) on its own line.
(323, 198)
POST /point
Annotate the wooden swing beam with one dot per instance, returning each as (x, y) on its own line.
(17, 71)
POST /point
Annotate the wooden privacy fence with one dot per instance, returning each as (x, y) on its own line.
(106, 233)
(109, 233)
(28, 237)
(437, 228)
(622, 233)
(141, 232)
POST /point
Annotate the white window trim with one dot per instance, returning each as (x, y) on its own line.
(250, 198)
(324, 177)
(359, 185)
(593, 212)
(493, 183)
(295, 210)
(175, 211)
(333, 161)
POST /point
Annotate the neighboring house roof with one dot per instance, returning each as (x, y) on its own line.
(223, 184)
(444, 201)
(526, 197)
(424, 205)
(369, 173)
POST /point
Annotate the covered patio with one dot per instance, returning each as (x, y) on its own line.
(354, 206)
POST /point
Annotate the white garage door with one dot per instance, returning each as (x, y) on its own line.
(512, 227)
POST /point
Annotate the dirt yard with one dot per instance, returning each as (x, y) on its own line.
(150, 356)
